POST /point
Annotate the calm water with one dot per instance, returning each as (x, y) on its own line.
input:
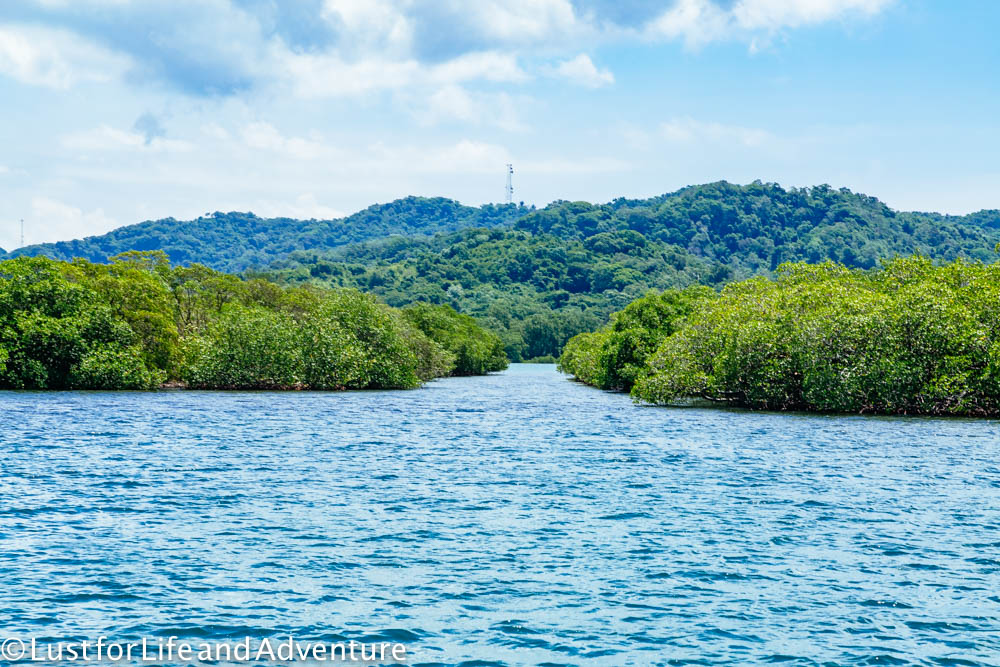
(514, 519)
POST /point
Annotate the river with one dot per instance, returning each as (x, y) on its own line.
(513, 519)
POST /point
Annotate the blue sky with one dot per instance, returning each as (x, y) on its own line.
(117, 111)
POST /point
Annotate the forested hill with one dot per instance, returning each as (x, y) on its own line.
(238, 241)
(745, 229)
(753, 228)
(556, 271)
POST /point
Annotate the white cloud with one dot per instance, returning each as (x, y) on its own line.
(105, 138)
(700, 21)
(54, 58)
(371, 25)
(55, 221)
(215, 131)
(4, 170)
(265, 136)
(776, 14)
(689, 130)
(581, 70)
(226, 48)
(520, 21)
(455, 103)
(324, 75)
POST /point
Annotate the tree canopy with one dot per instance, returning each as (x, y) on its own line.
(910, 337)
(235, 241)
(538, 277)
(137, 322)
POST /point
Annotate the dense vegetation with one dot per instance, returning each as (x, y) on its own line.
(566, 268)
(536, 290)
(237, 241)
(908, 338)
(475, 350)
(751, 229)
(537, 278)
(136, 322)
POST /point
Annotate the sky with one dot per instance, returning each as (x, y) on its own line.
(118, 111)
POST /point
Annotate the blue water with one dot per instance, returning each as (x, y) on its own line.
(512, 519)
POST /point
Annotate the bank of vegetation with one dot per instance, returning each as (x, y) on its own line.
(538, 277)
(545, 275)
(136, 323)
(910, 337)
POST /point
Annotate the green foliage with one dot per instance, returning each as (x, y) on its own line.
(909, 338)
(136, 322)
(534, 278)
(59, 332)
(562, 270)
(534, 291)
(751, 229)
(238, 241)
(371, 344)
(615, 357)
(476, 350)
(245, 348)
(114, 367)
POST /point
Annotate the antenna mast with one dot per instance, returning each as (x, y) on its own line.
(22, 232)
(510, 184)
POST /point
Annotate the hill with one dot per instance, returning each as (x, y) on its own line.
(753, 228)
(564, 269)
(234, 241)
(538, 277)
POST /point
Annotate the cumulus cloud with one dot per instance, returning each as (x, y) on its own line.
(54, 58)
(351, 47)
(106, 138)
(581, 70)
(53, 220)
(698, 22)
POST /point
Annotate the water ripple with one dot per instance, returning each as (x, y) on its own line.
(507, 520)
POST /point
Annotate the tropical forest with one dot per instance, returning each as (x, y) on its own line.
(751, 295)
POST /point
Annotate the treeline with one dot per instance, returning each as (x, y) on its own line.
(553, 273)
(535, 290)
(234, 241)
(539, 277)
(910, 337)
(137, 322)
(751, 229)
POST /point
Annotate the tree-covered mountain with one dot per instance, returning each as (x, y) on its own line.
(540, 276)
(537, 290)
(238, 241)
(555, 270)
(753, 228)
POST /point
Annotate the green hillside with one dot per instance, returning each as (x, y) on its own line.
(564, 269)
(238, 241)
(537, 277)
(753, 228)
